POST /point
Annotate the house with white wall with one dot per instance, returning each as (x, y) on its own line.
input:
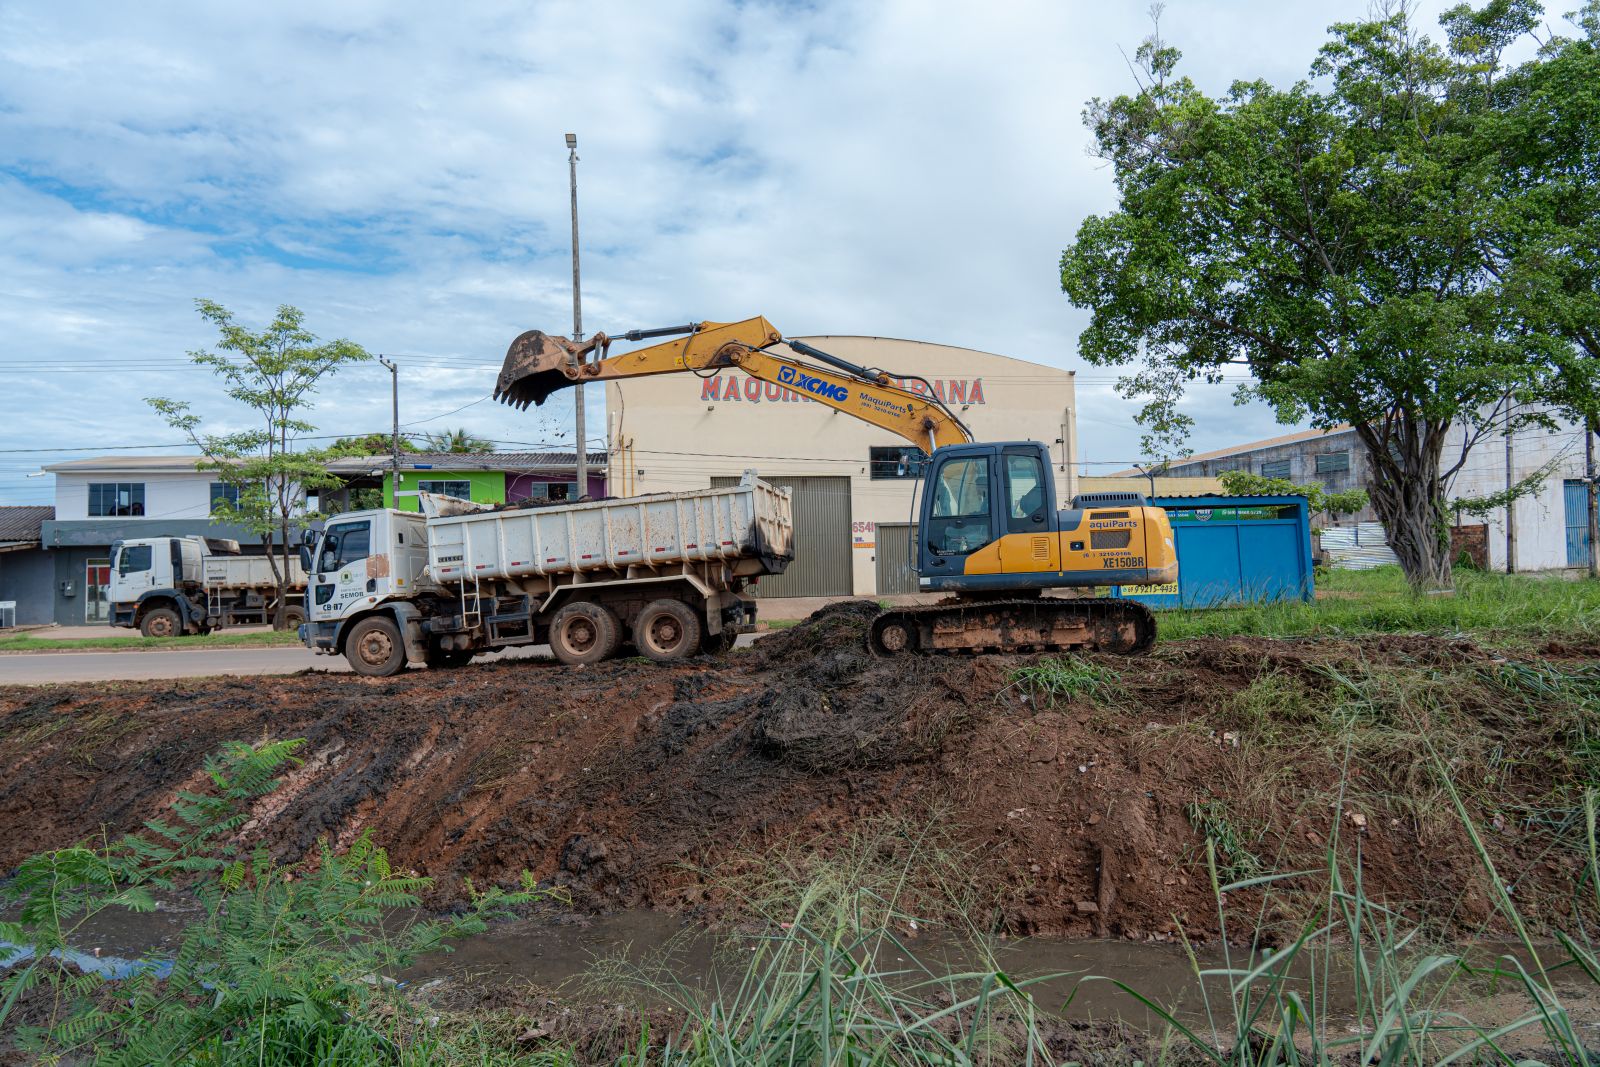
(105, 499)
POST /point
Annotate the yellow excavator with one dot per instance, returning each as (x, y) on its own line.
(988, 532)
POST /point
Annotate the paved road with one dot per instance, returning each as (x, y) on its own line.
(42, 668)
(38, 668)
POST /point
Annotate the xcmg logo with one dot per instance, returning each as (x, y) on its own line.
(806, 383)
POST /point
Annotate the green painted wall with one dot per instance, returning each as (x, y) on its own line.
(488, 487)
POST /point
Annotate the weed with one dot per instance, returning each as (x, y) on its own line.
(1066, 678)
(282, 966)
(1379, 601)
(1211, 819)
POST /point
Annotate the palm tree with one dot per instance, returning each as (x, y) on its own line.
(458, 440)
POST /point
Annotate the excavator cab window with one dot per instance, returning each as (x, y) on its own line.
(1025, 498)
(959, 521)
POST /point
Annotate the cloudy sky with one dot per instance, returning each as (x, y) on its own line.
(908, 168)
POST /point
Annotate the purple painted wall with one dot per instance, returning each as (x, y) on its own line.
(519, 486)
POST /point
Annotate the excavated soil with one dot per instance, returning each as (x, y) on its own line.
(625, 782)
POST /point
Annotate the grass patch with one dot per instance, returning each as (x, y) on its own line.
(780, 624)
(1066, 678)
(257, 639)
(1379, 601)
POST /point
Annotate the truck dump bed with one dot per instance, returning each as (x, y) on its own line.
(751, 522)
(247, 572)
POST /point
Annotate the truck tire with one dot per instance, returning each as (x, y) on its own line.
(448, 659)
(374, 647)
(293, 617)
(667, 630)
(583, 632)
(161, 622)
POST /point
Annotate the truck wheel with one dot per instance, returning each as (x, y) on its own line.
(448, 659)
(162, 622)
(293, 617)
(374, 647)
(667, 630)
(584, 633)
(716, 644)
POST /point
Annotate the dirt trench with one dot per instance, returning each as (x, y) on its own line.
(625, 782)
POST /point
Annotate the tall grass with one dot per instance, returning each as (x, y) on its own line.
(1379, 601)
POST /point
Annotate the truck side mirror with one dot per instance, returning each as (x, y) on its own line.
(305, 558)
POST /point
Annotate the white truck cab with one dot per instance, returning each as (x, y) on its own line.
(364, 562)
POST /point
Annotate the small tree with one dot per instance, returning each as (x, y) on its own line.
(274, 373)
(372, 444)
(1318, 500)
(1332, 238)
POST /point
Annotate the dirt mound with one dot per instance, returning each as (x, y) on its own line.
(626, 781)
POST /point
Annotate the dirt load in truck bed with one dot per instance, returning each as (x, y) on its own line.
(1084, 812)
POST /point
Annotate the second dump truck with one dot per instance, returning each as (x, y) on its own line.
(171, 586)
(668, 574)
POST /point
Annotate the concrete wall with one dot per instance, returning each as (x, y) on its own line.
(27, 576)
(1302, 459)
(1164, 485)
(684, 430)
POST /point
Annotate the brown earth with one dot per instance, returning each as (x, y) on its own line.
(625, 781)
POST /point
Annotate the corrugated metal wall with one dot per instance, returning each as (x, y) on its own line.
(892, 545)
(821, 565)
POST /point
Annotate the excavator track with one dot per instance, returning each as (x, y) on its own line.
(1042, 624)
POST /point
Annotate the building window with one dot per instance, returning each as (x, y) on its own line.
(895, 462)
(223, 493)
(1333, 462)
(553, 491)
(461, 490)
(1278, 468)
(116, 498)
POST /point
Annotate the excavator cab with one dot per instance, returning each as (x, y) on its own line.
(990, 523)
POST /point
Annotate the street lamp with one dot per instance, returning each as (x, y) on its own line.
(577, 323)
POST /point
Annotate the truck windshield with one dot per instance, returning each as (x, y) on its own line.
(345, 544)
(133, 558)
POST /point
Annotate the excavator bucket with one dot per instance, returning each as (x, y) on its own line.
(536, 365)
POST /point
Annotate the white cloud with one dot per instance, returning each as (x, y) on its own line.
(397, 170)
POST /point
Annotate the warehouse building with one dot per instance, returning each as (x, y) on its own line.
(852, 482)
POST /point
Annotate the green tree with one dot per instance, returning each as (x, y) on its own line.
(459, 440)
(1331, 238)
(372, 444)
(274, 373)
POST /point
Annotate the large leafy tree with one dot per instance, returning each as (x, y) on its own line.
(460, 440)
(1332, 238)
(274, 373)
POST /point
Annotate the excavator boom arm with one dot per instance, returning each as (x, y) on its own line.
(538, 364)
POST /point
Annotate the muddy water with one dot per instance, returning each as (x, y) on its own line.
(570, 952)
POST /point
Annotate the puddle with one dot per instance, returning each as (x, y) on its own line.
(569, 951)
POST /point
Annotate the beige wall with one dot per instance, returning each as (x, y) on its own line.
(1165, 486)
(681, 430)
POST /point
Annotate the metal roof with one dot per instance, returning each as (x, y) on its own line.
(1239, 450)
(21, 523)
(126, 464)
(466, 461)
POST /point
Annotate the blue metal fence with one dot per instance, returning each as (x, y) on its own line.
(1234, 550)
(1577, 499)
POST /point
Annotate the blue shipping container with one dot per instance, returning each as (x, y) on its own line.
(1234, 550)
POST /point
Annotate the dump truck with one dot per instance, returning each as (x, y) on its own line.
(669, 574)
(171, 586)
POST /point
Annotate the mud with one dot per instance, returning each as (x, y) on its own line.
(627, 783)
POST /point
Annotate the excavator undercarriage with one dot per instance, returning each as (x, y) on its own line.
(1039, 624)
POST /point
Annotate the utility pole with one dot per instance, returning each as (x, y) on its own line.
(394, 444)
(1511, 507)
(1591, 426)
(577, 324)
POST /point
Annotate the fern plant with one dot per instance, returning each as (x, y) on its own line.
(283, 964)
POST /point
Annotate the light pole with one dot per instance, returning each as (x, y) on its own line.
(394, 444)
(577, 324)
